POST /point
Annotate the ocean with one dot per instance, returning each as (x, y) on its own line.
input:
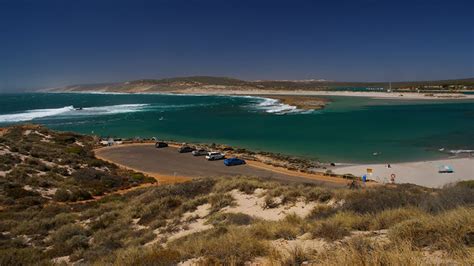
(348, 130)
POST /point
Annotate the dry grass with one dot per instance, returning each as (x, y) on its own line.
(142, 257)
(361, 251)
(225, 244)
(448, 231)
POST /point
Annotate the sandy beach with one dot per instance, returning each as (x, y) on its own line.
(375, 94)
(423, 173)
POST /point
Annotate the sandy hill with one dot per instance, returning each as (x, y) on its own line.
(180, 84)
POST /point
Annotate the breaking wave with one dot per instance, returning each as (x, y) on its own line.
(460, 151)
(68, 111)
(274, 106)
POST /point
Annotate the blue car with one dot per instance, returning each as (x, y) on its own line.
(233, 161)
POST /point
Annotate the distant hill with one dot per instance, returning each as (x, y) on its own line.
(182, 84)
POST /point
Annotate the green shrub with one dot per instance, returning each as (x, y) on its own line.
(104, 221)
(62, 195)
(16, 191)
(68, 238)
(88, 174)
(75, 149)
(7, 161)
(78, 194)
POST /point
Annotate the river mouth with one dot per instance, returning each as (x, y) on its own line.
(347, 130)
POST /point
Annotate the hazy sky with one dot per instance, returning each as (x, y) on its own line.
(45, 43)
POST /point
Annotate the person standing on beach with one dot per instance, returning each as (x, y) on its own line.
(392, 179)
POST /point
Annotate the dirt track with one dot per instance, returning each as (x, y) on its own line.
(167, 164)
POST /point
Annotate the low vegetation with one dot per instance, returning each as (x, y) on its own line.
(40, 165)
(164, 225)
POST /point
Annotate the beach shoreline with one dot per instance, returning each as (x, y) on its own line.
(424, 173)
(368, 94)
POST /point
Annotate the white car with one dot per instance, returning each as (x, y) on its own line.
(214, 155)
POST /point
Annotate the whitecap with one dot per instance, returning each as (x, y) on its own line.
(34, 114)
(70, 111)
(111, 109)
(460, 151)
(274, 106)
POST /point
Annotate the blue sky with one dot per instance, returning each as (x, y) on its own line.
(55, 43)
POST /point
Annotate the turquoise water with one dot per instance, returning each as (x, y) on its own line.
(350, 129)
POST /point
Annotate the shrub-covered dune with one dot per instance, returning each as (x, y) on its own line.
(38, 165)
(227, 221)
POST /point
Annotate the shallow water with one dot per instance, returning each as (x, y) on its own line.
(350, 129)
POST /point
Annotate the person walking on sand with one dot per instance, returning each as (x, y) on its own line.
(364, 179)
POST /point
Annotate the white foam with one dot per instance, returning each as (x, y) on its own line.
(33, 114)
(69, 111)
(274, 106)
(460, 151)
(111, 109)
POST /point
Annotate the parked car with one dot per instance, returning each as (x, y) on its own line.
(233, 161)
(211, 156)
(199, 152)
(184, 149)
(161, 144)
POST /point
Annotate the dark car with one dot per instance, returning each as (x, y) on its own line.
(161, 144)
(233, 161)
(184, 149)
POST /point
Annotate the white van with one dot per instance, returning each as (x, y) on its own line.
(214, 155)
